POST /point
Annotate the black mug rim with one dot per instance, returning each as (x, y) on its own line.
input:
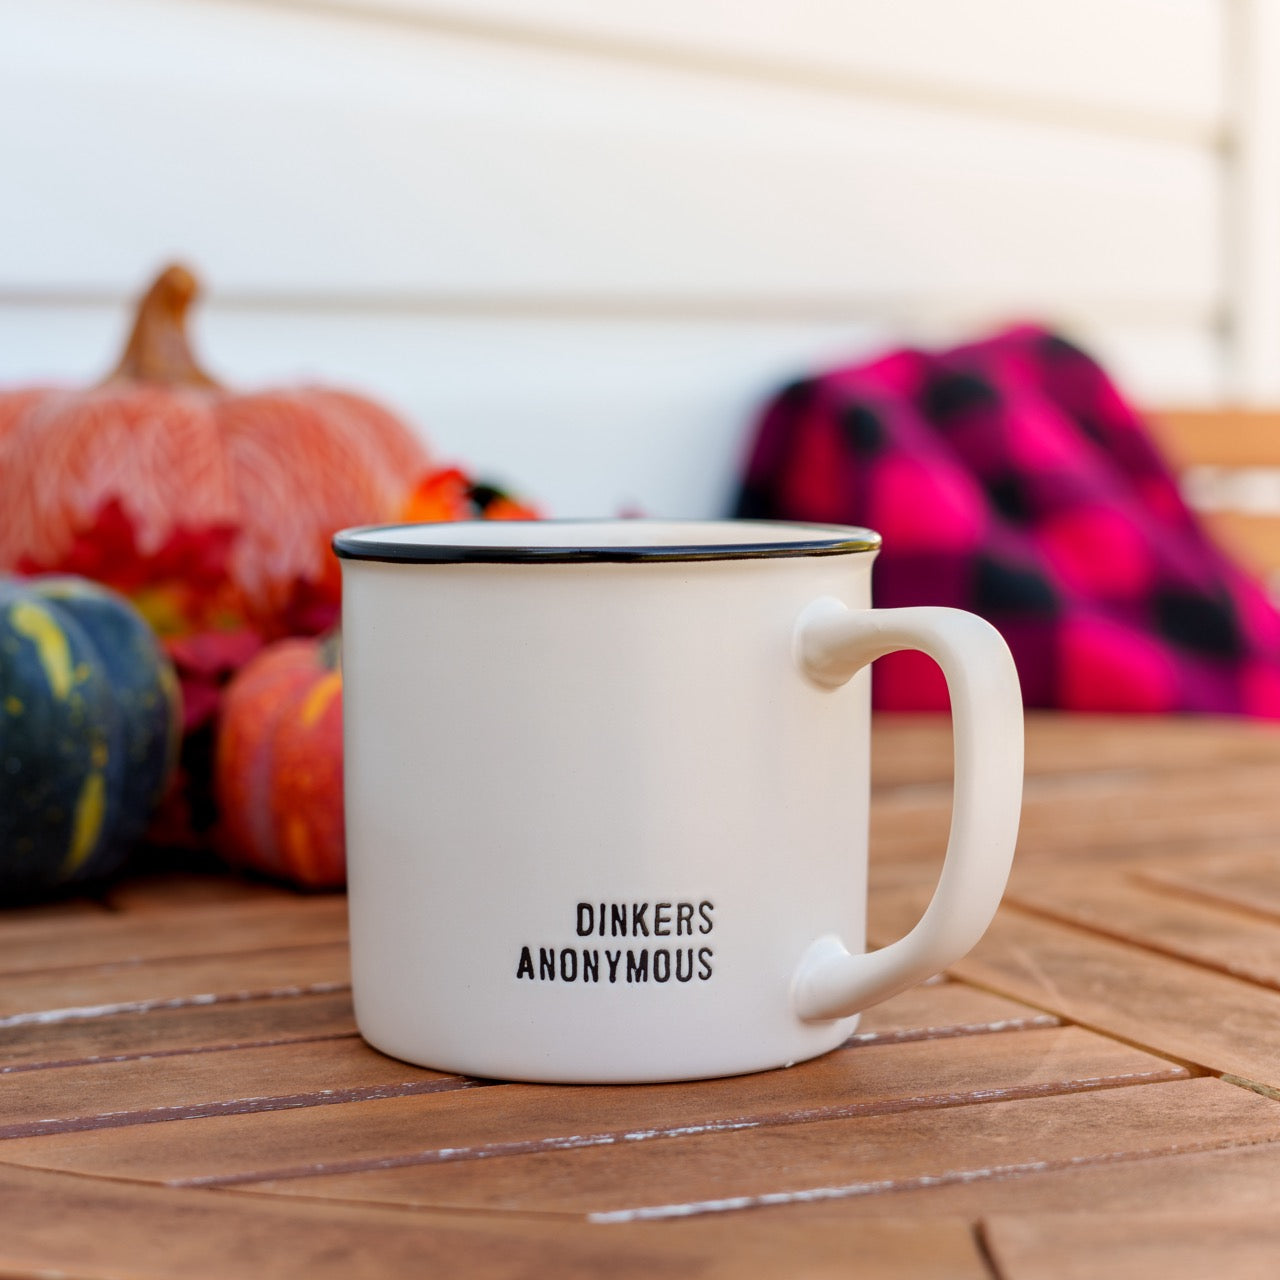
(387, 543)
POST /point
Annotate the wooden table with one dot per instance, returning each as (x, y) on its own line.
(1092, 1092)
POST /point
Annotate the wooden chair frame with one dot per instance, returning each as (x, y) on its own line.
(1229, 461)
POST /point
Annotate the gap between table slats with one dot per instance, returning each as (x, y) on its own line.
(97, 1229)
(1164, 920)
(94, 991)
(203, 1028)
(502, 1121)
(1247, 882)
(1167, 1004)
(829, 1160)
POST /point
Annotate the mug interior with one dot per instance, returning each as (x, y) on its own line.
(612, 540)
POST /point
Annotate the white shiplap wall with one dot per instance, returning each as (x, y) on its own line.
(578, 242)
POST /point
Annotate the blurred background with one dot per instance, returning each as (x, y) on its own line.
(576, 244)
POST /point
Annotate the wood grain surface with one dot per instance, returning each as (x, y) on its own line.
(1185, 1246)
(507, 1120)
(1093, 1091)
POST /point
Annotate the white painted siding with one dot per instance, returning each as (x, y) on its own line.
(579, 242)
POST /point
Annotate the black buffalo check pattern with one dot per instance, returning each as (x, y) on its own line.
(1011, 477)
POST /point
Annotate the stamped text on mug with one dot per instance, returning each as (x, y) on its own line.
(627, 964)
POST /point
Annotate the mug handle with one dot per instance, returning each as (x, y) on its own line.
(832, 642)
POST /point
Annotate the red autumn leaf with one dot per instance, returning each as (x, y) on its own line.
(181, 587)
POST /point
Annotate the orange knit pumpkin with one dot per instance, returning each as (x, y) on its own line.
(275, 472)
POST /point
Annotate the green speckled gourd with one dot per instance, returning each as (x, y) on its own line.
(89, 729)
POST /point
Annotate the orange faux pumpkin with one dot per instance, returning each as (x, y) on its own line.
(272, 474)
(278, 765)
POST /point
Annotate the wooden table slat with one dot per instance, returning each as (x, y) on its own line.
(1248, 882)
(192, 1028)
(1210, 1019)
(937, 1009)
(51, 917)
(863, 1155)
(1230, 1177)
(1094, 1246)
(97, 1229)
(198, 980)
(1211, 935)
(180, 1086)
(915, 749)
(116, 939)
(501, 1120)
(161, 892)
(1124, 815)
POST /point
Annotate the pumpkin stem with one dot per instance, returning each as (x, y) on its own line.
(158, 350)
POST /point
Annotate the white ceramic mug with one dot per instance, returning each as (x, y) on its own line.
(607, 793)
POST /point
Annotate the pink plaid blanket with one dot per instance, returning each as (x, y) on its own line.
(1010, 477)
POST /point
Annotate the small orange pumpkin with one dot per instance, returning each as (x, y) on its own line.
(278, 765)
(276, 472)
